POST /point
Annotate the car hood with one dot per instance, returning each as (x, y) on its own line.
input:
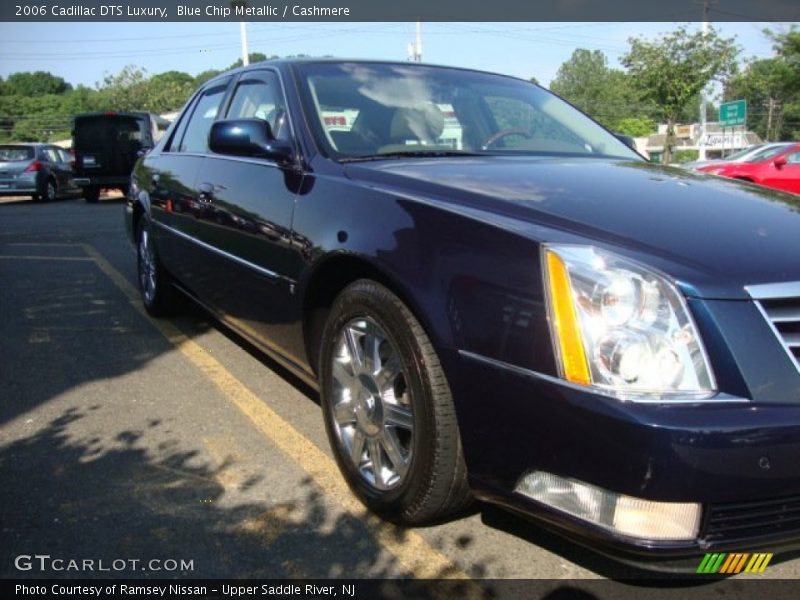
(714, 236)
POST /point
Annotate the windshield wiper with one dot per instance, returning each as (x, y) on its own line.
(411, 154)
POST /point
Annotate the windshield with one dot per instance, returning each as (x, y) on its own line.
(12, 153)
(98, 131)
(373, 110)
(742, 152)
(767, 153)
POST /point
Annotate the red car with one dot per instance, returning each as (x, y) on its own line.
(775, 167)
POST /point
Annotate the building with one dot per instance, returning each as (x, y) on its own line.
(718, 141)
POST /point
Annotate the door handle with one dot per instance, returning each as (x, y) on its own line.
(206, 192)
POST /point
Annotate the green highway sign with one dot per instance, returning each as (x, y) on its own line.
(733, 113)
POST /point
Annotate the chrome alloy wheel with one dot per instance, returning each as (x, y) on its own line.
(373, 418)
(50, 191)
(147, 266)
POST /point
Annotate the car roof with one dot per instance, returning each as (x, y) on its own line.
(287, 62)
(27, 144)
(116, 113)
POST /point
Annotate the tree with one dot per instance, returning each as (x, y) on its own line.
(771, 87)
(34, 84)
(766, 85)
(636, 126)
(132, 89)
(606, 94)
(168, 91)
(124, 91)
(201, 78)
(787, 47)
(672, 71)
(253, 57)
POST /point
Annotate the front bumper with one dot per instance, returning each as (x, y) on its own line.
(735, 457)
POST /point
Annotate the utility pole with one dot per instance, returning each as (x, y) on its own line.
(243, 35)
(415, 47)
(701, 150)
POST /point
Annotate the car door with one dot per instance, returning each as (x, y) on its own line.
(174, 200)
(65, 161)
(58, 168)
(246, 224)
(786, 174)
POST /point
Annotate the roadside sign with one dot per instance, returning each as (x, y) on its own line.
(733, 113)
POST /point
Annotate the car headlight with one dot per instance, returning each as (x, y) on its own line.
(622, 327)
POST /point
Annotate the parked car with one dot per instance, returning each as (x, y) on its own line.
(776, 167)
(106, 145)
(738, 156)
(495, 297)
(41, 171)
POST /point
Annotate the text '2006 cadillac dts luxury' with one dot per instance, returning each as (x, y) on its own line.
(495, 297)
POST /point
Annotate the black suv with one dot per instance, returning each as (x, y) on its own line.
(106, 147)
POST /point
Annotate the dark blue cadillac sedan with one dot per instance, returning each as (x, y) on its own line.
(495, 297)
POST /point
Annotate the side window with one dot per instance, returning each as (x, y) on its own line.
(259, 97)
(64, 156)
(195, 136)
(52, 155)
(159, 128)
(539, 129)
(793, 158)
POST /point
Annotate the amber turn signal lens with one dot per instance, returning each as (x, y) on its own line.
(573, 357)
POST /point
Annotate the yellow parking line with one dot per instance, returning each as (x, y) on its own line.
(34, 257)
(415, 555)
(62, 244)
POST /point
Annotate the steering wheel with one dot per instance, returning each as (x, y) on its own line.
(505, 133)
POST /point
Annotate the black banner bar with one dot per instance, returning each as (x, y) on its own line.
(397, 10)
(698, 587)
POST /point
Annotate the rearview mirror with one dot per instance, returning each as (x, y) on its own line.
(248, 137)
(779, 162)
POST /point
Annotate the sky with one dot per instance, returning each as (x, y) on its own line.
(83, 53)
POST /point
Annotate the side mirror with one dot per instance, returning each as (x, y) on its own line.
(779, 162)
(248, 137)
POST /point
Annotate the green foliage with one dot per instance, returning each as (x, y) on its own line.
(636, 126)
(133, 89)
(40, 118)
(672, 71)
(201, 78)
(605, 94)
(253, 57)
(34, 84)
(771, 87)
(684, 156)
(791, 113)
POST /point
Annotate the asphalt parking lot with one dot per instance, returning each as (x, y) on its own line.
(176, 444)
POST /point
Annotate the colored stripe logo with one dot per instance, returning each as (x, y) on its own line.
(730, 564)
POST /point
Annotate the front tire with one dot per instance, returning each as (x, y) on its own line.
(50, 191)
(91, 194)
(388, 410)
(159, 297)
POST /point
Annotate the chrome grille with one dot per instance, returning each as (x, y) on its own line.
(780, 305)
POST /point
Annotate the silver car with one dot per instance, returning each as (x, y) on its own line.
(42, 171)
(743, 155)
